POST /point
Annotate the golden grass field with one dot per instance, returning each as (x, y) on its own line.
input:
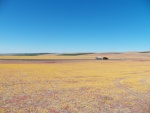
(91, 86)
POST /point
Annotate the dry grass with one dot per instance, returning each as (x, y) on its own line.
(76, 87)
(132, 56)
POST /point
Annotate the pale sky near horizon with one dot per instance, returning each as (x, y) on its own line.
(28, 26)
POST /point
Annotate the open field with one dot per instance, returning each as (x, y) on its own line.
(127, 56)
(59, 84)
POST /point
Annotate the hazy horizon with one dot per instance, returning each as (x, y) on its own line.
(77, 52)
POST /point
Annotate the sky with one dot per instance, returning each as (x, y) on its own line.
(61, 26)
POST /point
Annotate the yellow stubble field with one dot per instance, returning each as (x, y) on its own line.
(75, 87)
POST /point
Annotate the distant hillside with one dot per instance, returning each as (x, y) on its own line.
(74, 54)
(24, 54)
(112, 53)
(144, 52)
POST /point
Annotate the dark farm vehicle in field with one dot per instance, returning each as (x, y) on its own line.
(105, 58)
(99, 58)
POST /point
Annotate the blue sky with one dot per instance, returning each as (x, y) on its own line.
(28, 26)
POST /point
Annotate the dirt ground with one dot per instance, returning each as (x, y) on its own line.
(118, 85)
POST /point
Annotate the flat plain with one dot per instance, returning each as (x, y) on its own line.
(75, 84)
